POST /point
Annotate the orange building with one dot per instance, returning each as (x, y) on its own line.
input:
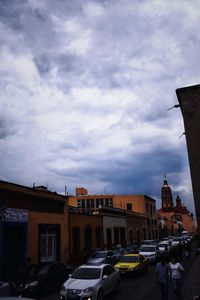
(178, 216)
(85, 234)
(35, 222)
(103, 228)
(142, 205)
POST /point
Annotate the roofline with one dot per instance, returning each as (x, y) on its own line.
(33, 190)
(179, 91)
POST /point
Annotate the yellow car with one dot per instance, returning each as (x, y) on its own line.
(131, 263)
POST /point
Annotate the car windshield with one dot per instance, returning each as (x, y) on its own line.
(98, 255)
(86, 273)
(129, 259)
(147, 249)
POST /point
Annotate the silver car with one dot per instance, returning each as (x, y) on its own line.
(90, 282)
(150, 252)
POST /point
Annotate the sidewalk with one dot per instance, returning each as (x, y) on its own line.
(191, 284)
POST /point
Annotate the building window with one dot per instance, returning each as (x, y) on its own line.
(116, 235)
(97, 203)
(49, 242)
(111, 202)
(75, 240)
(88, 237)
(138, 236)
(109, 237)
(79, 203)
(129, 206)
(151, 209)
(92, 203)
(107, 201)
(147, 207)
(101, 201)
(88, 203)
(144, 233)
(83, 203)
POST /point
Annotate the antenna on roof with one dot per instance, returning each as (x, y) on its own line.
(181, 135)
(175, 106)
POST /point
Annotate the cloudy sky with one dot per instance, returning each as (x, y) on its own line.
(84, 90)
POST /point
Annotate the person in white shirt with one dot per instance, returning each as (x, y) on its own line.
(176, 270)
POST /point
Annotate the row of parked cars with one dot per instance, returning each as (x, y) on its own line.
(98, 276)
(101, 273)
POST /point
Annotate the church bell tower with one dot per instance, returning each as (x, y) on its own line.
(167, 200)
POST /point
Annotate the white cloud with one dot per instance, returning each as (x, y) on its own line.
(85, 89)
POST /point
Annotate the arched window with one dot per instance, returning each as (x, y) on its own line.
(75, 240)
(88, 237)
(144, 233)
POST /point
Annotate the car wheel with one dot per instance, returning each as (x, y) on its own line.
(100, 295)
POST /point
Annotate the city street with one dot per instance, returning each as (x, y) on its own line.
(142, 287)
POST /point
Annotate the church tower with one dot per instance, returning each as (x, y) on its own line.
(167, 200)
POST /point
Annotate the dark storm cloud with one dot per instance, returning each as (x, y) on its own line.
(5, 129)
(85, 89)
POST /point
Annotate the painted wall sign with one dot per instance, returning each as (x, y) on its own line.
(16, 215)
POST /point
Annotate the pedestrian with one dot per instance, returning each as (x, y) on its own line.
(162, 275)
(176, 270)
(187, 251)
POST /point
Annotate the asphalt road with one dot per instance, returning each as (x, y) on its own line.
(141, 287)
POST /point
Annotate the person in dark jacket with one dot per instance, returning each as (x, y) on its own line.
(162, 275)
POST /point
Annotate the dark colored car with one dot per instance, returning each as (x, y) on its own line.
(132, 249)
(43, 279)
(102, 257)
(5, 289)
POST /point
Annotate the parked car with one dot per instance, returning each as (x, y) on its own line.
(131, 263)
(150, 252)
(186, 239)
(90, 282)
(118, 253)
(104, 256)
(176, 241)
(43, 279)
(164, 247)
(5, 289)
(132, 249)
(148, 242)
(14, 298)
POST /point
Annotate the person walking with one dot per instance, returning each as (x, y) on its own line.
(175, 273)
(162, 275)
